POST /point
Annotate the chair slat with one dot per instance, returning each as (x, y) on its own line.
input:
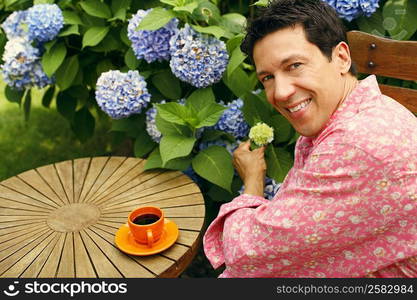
(406, 97)
(389, 57)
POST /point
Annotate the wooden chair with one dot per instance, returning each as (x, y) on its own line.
(386, 57)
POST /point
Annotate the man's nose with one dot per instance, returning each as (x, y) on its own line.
(283, 89)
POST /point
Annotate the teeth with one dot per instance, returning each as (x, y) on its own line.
(300, 106)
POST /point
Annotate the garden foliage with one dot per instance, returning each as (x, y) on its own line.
(170, 74)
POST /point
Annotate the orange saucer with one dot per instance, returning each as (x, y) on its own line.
(124, 240)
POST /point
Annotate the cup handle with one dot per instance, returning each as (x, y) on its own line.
(149, 234)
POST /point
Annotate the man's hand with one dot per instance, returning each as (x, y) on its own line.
(251, 167)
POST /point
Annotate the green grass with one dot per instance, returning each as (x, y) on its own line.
(45, 138)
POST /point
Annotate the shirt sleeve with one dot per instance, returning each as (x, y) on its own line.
(339, 203)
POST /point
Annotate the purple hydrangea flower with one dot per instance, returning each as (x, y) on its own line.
(44, 22)
(232, 120)
(13, 26)
(270, 190)
(197, 59)
(122, 94)
(150, 45)
(22, 68)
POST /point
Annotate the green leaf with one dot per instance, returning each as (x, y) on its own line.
(217, 31)
(27, 104)
(215, 165)
(200, 98)
(119, 8)
(255, 109)
(170, 128)
(66, 73)
(13, 95)
(143, 144)
(238, 82)
(234, 22)
(83, 125)
(167, 84)
(130, 59)
(207, 12)
(261, 3)
(173, 112)
(156, 19)
(94, 35)
(104, 66)
(170, 2)
(399, 18)
(190, 7)
(210, 114)
(234, 42)
(48, 96)
(96, 8)
(372, 24)
(73, 29)
(236, 59)
(278, 162)
(53, 58)
(154, 161)
(66, 105)
(174, 146)
(71, 17)
(282, 128)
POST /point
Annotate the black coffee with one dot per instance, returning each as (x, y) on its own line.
(146, 219)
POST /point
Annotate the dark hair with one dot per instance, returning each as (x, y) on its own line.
(321, 24)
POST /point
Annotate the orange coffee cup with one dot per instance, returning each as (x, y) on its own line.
(146, 224)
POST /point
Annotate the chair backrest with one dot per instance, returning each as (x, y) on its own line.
(391, 58)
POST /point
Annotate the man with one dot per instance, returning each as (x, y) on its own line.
(348, 206)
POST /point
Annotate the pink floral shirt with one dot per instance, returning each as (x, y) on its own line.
(347, 208)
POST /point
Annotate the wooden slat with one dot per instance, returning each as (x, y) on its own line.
(10, 194)
(36, 266)
(81, 166)
(14, 224)
(17, 269)
(102, 265)
(66, 263)
(65, 173)
(50, 175)
(191, 199)
(96, 165)
(83, 266)
(33, 179)
(391, 58)
(51, 265)
(15, 237)
(19, 228)
(122, 262)
(406, 97)
(21, 187)
(13, 204)
(130, 169)
(189, 223)
(109, 169)
(20, 240)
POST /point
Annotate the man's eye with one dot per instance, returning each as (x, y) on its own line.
(266, 78)
(295, 66)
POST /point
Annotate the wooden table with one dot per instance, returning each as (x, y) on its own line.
(60, 220)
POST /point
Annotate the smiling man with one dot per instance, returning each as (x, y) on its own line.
(348, 206)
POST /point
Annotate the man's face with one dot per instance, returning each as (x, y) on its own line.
(300, 82)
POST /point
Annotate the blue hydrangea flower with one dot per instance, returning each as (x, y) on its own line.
(122, 94)
(151, 128)
(22, 68)
(368, 7)
(232, 120)
(270, 190)
(197, 59)
(150, 45)
(13, 26)
(44, 22)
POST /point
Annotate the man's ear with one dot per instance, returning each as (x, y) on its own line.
(341, 55)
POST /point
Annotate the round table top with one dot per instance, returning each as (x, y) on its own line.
(60, 220)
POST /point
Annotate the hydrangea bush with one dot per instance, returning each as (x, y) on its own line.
(169, 74)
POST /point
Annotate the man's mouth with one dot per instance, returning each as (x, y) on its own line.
(299, 106)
